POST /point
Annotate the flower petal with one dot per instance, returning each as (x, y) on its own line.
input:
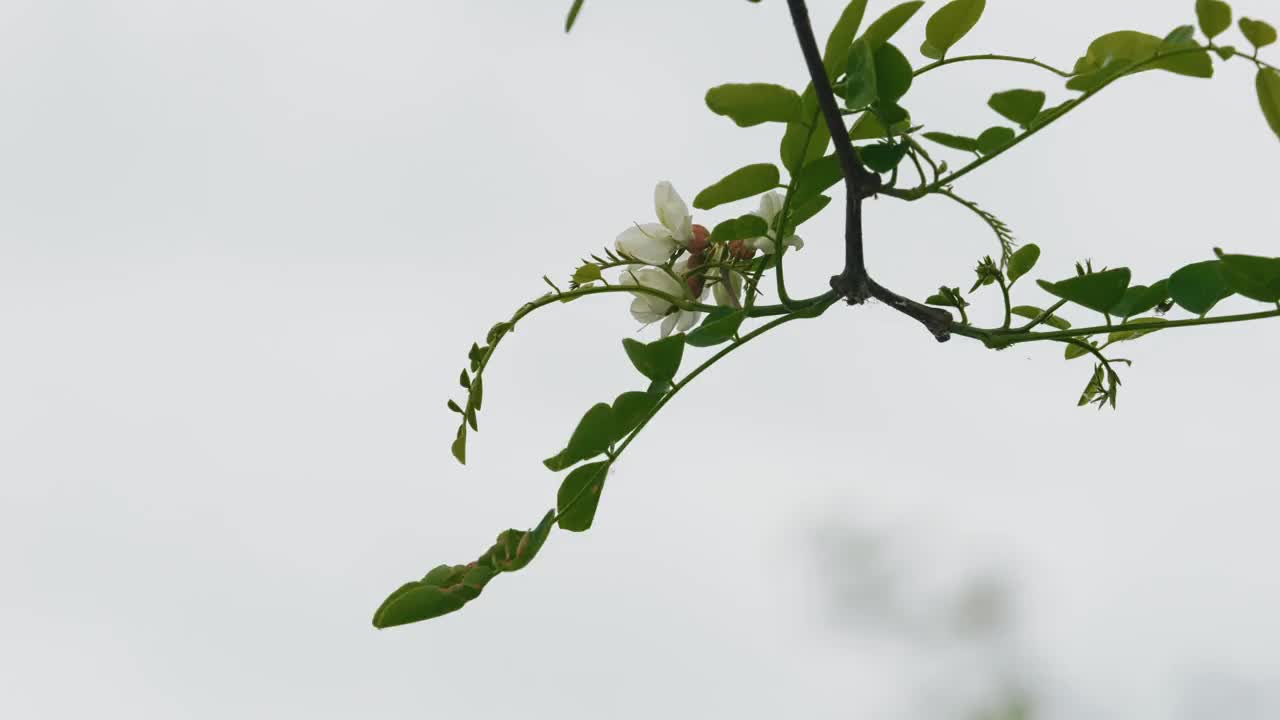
(671, 208)
(795, 242)
(763, 244)
(770, 205)
(649, 243)
(644, 311)
(686, 320)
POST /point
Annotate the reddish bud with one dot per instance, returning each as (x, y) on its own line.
(701, 238)
(740, 250)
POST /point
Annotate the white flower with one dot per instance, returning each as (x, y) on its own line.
(770, 207)
(648, 309)
(654, 243)
(727, 292)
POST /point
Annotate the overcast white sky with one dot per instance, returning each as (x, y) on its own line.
(244, 247)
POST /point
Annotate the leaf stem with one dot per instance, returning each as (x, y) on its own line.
(992, 56)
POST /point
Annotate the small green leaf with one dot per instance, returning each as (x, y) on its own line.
(860, 88)
(893, 73)
(1021, 262)
(1181, 36)
(1226, 52)
(630, 409)
(1115, 53)
(1259, 33)
(948, 297)
(1268, 84)
(579, 496)
(660, 360)
(1020, 106)
(955, 142)
(882, 157)
(807, 139)
(755, 103)
(1096, 291)
(817, 177)
(836, 57)
(1214, 16)
(1075, 350)
(888, 25)
(593, 435)
(459, 446)
(870, 127)
(1136, 328)
(1140, 298)
(993, 140)
(720, 326)
(740, 184)
(1031, 313)
(740, 228)
(448, 588)
(1050, 114)
(573, 15)
(586, 274)
(1199, 286)
(949, 24)
(806, 210)
(1257, 278)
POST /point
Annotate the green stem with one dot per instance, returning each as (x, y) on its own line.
(1008, 307)
(1043, 316)
(675, 389)
(989, 56)
(1017, 336)
(953, 177)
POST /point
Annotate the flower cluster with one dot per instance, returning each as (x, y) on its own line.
(681, 260)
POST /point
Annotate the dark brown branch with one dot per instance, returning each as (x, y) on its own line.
(854, 284)
(859, 182)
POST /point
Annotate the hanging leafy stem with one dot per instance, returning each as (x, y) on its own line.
(702, 286)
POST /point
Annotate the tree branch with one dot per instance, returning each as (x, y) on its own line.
(859, 182)
(853, 283)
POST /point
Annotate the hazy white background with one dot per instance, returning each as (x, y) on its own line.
(244, 247)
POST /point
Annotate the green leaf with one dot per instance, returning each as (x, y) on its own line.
(1257, 278)
(586, 274)
(1075, 350)
(870, 127)
(1179, 37)
(740, 184)
(579, 496)
(1268, 84)
(1259, 34)
(860, 85)
(1199, 286)
(1031, 312)
(1116, 53)
(993, 140)
(740, 228)
(1021, 262)
(1140, 326)
(720, 326)
(1140, 298)
(1214, 16)
(882, 157)
(630, 409)
(1226, 52)
(888, 25)
(573, 15)
(1050, 114)
(660, 360)
(806, 210)
(817, 177)
(951, 23)
(1020, 106)
(948, 297)
(1096, 291)
(459, 446)
(448, 588)
(594, 433)
(836, 57)
(755, 103)
(806, 140)
(893, 73)
(955, 142)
